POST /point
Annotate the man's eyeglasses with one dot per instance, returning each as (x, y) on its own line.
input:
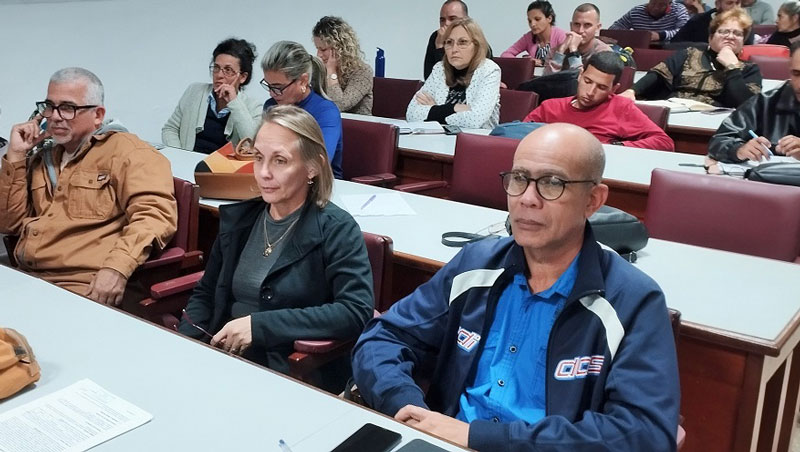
(549, 188)
(277, 90)
(726, 32)
(66, 111)
(461, 43)
(227, 71)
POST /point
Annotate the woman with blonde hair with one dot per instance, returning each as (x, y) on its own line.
(464, 88)
(349, 82)
(714, 75)
(287, 265)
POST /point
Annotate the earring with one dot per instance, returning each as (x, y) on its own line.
(303, 89)
(310, 182)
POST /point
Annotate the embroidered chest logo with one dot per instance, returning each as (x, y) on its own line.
(579, 367)
(467, 340)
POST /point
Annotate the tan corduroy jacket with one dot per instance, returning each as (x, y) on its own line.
(110, 205)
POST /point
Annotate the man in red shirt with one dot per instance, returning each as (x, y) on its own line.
(612, 119)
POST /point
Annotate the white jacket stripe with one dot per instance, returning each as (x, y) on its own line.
(608, 316)
(473, 278)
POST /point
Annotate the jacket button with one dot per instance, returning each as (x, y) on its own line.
(59, 188)
(501, 383)
(50, 215)
(35, 233)
(513, 349)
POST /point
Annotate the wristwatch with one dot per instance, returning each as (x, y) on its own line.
(334, 76)
(731, 67)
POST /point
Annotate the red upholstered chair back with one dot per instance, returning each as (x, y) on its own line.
(636, 39)
(626, 79)
(514, 71)
(763, 49)
(368, 148)
(725, 213)
(647, 58)
(187, 195)
(659, 115)
(477, 164)
(391, 96)
(379, 250)
(515, 105)
(772, 67)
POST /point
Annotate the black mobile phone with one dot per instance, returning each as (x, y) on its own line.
(369, 438)
(450, 129)
(418, 445)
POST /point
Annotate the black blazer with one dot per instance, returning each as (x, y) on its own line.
(320, 287)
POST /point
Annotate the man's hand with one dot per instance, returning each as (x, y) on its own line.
(628, 93)
(573, 41)
(789, 145)
(754, 149)
(226, 93)
(726, 57)
(439, 42)
(424, 98)
(107, 287)
(435, 423)
(235, 337)
(23, 138)
(654, 36)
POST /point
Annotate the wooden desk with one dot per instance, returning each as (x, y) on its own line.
(200, 398)
(739, 380)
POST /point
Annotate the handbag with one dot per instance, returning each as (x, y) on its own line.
(227, 173)
(18, 366)
(775, 173)
(517, 129)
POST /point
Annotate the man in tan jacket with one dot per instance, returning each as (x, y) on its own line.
(88, 200)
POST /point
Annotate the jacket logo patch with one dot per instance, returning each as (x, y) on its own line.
(579, 367)
(467, 340)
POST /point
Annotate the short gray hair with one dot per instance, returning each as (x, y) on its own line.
(94, 87)
(792, 7)
(291, 59)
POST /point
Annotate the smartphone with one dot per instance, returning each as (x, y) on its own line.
(450, 129)
(418, 445)
(370, 438)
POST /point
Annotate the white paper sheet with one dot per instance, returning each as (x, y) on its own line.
(383, 204)
(72, 419)
(740, 168)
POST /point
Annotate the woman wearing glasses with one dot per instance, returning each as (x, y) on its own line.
(288, 265)
(714, 76)
(543, 36)
(211, 114)
(349, 82)
(464, 88)
(293, 77)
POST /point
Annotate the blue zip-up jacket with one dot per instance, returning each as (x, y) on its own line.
(612, 373)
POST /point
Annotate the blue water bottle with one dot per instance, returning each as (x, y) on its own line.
(380, 63)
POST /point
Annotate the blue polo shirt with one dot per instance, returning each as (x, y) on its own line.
(509, 384)
(329, 119)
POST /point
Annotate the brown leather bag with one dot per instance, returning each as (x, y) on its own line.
(18, 366)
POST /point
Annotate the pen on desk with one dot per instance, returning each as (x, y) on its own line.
(753, 134)
(284, 447)
(371, 198)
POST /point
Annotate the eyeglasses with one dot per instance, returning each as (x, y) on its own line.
(277, 90)
(549, 188)
(188, 319)
(66, 111)
(227, 71)
(726, 32)
(461, 43)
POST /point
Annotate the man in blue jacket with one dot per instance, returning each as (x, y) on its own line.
(543, 341)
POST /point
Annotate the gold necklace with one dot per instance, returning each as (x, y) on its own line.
(269, 247)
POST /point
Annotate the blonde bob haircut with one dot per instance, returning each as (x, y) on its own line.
(737, 14)
(310, 144)
(481, 49)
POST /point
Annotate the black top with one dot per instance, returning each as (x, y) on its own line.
(457, 95)
(784, 38)
(212, 137)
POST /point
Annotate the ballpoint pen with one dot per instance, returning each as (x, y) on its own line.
(284, 447)
(371, 198)
(753, 134)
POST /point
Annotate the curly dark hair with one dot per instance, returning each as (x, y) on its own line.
(240, 49)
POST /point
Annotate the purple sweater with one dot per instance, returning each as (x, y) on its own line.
(528, 43)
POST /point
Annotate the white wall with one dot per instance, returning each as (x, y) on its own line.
(146, 51)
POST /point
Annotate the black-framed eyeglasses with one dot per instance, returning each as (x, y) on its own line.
(277, 90)
(549, 187)
(226, 71)
(66, 111)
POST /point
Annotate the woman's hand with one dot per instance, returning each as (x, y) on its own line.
(226, 93)
(424, 98)
(726, 57)
(235, 337)
(332, 66)
(461, 107)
